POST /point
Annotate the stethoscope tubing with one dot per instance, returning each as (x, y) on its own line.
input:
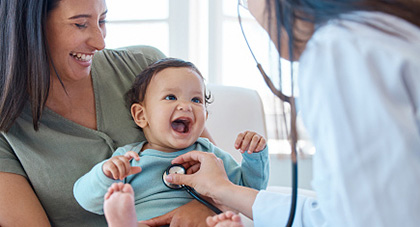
(196, 196)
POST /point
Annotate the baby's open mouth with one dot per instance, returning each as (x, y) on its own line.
(181, 125)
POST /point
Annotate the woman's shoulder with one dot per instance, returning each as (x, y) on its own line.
(369, 29)
(139, 52)
(134, 58)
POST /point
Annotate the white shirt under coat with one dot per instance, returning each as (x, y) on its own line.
(359, 86)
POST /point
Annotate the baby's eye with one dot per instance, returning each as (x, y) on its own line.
(170, 97)
(196, 100)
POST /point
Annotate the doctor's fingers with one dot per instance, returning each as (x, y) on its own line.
(193, 157)
(200, 183)
(210, 167)
(193, 168)
(188, 165)
(209, 163)
(181, 179)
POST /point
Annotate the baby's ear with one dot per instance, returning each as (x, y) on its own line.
(139, 115)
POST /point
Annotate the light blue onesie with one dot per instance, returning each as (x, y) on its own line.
(152, 197)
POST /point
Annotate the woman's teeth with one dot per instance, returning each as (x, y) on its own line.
(82, 57)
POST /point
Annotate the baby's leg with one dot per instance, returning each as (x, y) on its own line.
(226, 219)
(119, 206)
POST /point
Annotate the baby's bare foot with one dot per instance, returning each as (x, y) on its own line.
(226, 219)
(119, 206)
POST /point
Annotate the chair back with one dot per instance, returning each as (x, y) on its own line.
(234, 110)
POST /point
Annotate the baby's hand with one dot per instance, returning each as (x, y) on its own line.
(118, 167)
(250, 141)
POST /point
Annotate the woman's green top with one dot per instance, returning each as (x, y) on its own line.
(61, 151)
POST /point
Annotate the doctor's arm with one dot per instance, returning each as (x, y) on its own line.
(265, 208)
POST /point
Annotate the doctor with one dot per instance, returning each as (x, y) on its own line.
(359, 83)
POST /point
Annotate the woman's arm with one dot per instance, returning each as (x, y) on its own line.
(19, 204)
(190, 214)
(206, 134)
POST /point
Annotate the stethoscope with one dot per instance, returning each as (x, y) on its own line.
(179, 169)
(293, 136)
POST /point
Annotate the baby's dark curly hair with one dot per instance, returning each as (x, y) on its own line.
(138, 90)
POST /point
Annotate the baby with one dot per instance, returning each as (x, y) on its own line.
(168, 102)
(226, 219)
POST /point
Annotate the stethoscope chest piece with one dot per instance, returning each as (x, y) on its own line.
(175, 168)
(179, 169)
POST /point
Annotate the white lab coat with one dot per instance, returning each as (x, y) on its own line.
(359, 89)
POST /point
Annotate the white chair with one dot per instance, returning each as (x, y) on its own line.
(234, 110)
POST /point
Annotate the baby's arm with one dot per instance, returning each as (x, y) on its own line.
(254, 170)
(255, 163)
(89, 190)
(250, 141)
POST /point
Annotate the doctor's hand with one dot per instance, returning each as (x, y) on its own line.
(119, 167)
(250, 141)
(205, 173)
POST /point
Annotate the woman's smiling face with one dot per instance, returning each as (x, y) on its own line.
(75, 30)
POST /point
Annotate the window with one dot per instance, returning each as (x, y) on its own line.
(207, 33)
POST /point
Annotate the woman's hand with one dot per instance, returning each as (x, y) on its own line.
(191, 214)
(204, 172)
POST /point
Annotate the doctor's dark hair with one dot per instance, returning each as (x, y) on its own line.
(24, 59)
(285, 13)
(137, 92)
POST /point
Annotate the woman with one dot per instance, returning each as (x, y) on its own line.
(359, 99)
(62, 109)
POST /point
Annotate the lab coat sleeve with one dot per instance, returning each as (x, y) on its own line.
(272, 209)
(90, 189)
